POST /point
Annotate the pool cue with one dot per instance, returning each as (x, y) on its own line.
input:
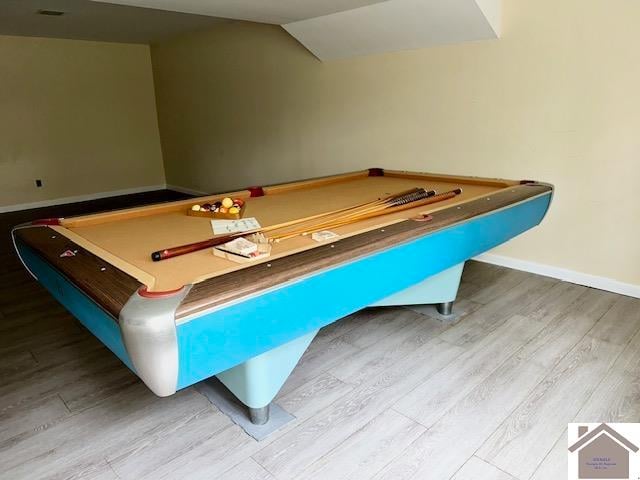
(426, 201)
(411, 198)
(425, 193)
(191, 247)
(419, 203)
(386, 203)
(335, 212)
(215, 241)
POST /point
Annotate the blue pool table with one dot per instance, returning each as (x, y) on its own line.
(180, 321)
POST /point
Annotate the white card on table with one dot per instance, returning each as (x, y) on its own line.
(324, 236)
(225, 227)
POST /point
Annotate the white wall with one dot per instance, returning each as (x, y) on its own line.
(79, 115)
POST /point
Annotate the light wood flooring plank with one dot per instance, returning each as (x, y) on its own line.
(468, 289)
(314, 395)
(71, 350)
(363, 364)
(324, 355)
(489, 317)
(368, 450)
(246, 470)
(480, 273)
(615, 400)
(319, 358)
(80, 374)
(566, 328)
(494, 290)
(149, 451)
(524, 439)
(430, 400)
(31, 416)
(346, 324)
(129, 419)
(554, 302)
(90, 390)
(388, 321)
(28, 334)
(478, 469)
(98, 470)
(452, 440)
(204, 460)
(555, 463)
(620, 323)
(629, 360)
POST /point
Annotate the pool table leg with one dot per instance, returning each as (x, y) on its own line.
(440, 289)
(444, 308)
(259, 416)
(257, 381)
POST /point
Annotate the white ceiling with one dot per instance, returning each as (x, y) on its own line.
(397, 25)
(334, 29)
(330, 29)
(86, 20)
(262, 11)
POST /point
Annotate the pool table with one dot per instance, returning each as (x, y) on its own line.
(182, 320)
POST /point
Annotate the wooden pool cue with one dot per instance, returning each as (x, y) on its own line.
(345, 210)
(427, 201)
(324, 226)
(413, 200)
(394, 200)
(215, 241)
(192, 247)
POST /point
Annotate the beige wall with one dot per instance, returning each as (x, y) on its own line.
(556, 99)
(79, 115)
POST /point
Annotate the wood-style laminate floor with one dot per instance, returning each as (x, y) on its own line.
(387, 393)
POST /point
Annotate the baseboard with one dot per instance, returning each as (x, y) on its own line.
(189, 191)
(79, 198)
(594, 281)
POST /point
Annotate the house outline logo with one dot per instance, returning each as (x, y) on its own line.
(602, 453)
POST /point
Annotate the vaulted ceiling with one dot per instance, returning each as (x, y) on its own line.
(333, 29)
(330, 29)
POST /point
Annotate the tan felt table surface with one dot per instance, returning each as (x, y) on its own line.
(127, 242)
